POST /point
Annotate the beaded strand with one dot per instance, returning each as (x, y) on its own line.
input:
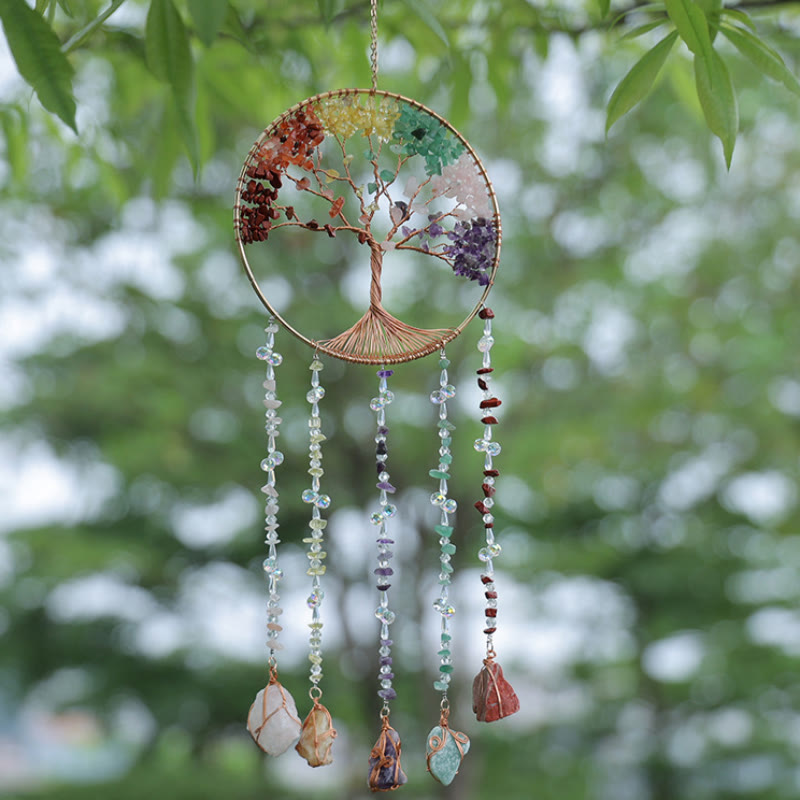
(316, 555)
(444, 529)
(493, 697)
(380, 519)
(274, 459)
(490, 448)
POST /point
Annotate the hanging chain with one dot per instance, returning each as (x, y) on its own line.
(373, 27)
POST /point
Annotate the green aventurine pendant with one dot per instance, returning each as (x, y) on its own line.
(446, 749)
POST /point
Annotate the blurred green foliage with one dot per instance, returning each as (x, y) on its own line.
(647, 327)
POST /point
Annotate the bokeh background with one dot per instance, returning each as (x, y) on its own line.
(647, 357)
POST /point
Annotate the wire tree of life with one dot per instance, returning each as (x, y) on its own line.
(391, 173)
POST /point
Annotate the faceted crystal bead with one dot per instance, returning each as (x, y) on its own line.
(322, 501)
(480, 445)
(389, 510)
(493, 448)
(316, 472)
(309, 496)
(376, 519)
(438, 397)
(383, 476)
(449, 391)
(444, 608)
(377, 403)
(272, 460)
(263, 353)
(449, 506)
(385, 615)
(484, 554)
(315, 598)
(271, 567)
(274, 359)
(315, 395)
(387, 397)
(494, 550)
(438, 499)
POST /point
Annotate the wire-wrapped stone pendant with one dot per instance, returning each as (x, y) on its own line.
(385, 772)
(273, 721)
(316, 737)
(492, 695)
(445, 751)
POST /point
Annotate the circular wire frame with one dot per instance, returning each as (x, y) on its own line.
(396, 354)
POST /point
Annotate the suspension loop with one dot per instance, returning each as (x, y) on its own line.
(373, 49)
(315, 693)
(385, 711)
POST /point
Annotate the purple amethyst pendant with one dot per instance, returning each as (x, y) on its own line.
(385, 773)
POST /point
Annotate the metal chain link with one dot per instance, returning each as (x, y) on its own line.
(373, 27)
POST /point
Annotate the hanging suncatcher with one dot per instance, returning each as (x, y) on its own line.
(403, 182)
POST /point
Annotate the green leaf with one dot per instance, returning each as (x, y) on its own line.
(691, 24)
(15, 132)
(66, 8)
(167, 48)
(235, 29)
(763, 56)
(37, 53)
(327, 8)
(604, 6)
(640, 30)
(718, 100)
(739, 16)
(184, 110)
(422, 10)
(208, 16)
(638, 82)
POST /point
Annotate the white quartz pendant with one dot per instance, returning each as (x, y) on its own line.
(273, 721)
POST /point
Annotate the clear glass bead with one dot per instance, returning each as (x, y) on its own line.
(274, 359)
(377, 403)
(387, 397)
(376, 519)
(385, 615)
(437, 397)
(480, 445)
(488, 502)
(384, 651)
(494, 550)
(384, 476)
(444, 608)
(309, 496)
(438, 499)
(271, 568)
(315, 598)
(493, 448)
(389, 510)
(488, 519)
(322, 501)
(449, 506)
(485, 343)
(263, 353)
(386, 684)
(315, 395)
(484, 554)
(449, 391)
